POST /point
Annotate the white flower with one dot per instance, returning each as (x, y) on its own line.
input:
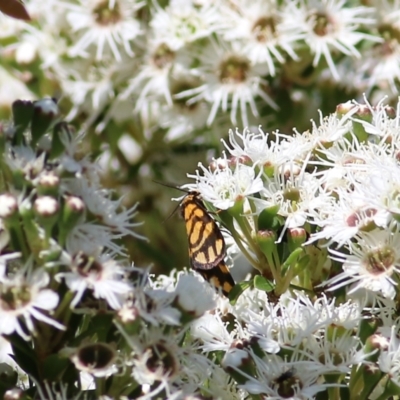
(104, 277)
(261, 327)
(380, 189)
(90, 86)
(235, 358)
(165, 361)
(220, 385)
(371, 264)
(23, 159)
(330, 130)
(193, 295)
(212, 332)
(116, 221)
(11, 26)
(342, 219)
(182, 120)
(181, 22)
(339, 352)
(276, 378)
(108, 25)
(389, 359)
(258, 147)
(380, 124)
(380, 65)
(260, 26)
(152, 81)
(224, 186)
(12, 88)
(151, 300)
(330, 26)
(297, 193)
(340, 165)
(230, 81)
(24, 298)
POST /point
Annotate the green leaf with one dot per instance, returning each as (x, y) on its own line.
(303, 263)
(98, 326)
(57, 146)
(237, 290)
(263, 284)
(24, 355)
(54, 366)
(45, 114)
(269, 219)
(291, 260)
(22, 115)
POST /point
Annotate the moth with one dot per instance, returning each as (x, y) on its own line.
(207, 248)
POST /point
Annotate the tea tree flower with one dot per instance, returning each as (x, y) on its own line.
(103, 277)
(342, 220)
(330, 27)
(230, 80)
(91, 85)
(381, 66)
(106, 25)
(372, 263)
(258, 147)
(277, 379)
(389, 357)
(152, 81)
(24, 299)
(192, 297)
(212, 332)
(260, 26)
(160, 364)
(296, 193)
(114, 221)
(182, 22)
(224, 186)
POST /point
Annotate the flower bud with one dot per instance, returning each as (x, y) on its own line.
(296, 237)
(46, 210)
(266, 240)
(8, 207)
(48, 184)
(15, 394)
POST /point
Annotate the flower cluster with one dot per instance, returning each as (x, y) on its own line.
(332, 188)
(314, 211)
(73, 309)
(185, 65)
(157, 84)
(310, 220)
(311, 212)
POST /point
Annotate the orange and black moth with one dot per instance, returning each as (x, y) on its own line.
(207, 248)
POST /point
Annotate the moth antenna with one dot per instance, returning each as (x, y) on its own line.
(172, 213)
(172, 186)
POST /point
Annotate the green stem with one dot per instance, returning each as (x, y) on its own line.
(243, 249)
